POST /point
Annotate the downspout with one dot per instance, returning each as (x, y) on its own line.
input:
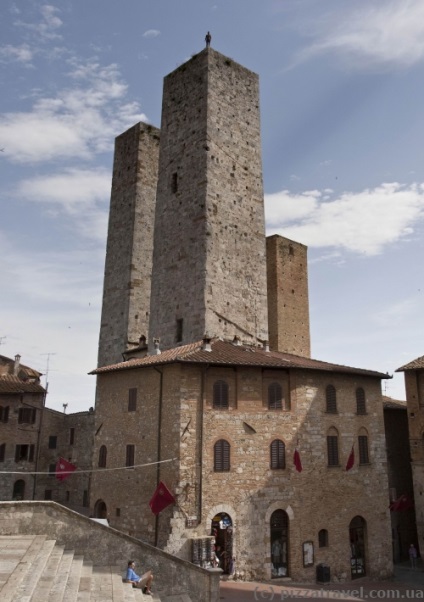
(158, 453)
(37, 454)
(200, 467)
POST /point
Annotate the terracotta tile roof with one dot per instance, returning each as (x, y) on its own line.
(224, 353)
(13, 384)
(26, 370)
(393, 404)
(417, 364)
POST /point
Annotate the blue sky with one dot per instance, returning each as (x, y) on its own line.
(342, 96)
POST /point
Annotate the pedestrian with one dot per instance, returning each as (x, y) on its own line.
(413, 556)
(144, 582)
(208, 39)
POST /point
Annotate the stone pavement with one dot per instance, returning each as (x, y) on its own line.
(406, 584)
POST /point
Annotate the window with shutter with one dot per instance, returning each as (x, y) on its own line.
(278, 454)
(275, 396)
(26, 415)
(331, 399)
(52, 441)
(360, 401)
(221, 456)
(220, 395)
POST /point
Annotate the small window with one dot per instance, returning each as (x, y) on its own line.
(52, 442)
(221, 456)
(363, 449)
(23, 452)
(130, 453)
(278, 454)
(102, 456)
(118, 512)
(220, 395)
(26, 415)
(4, 414)
(85, 498)
(179, 333)
(174, 182)
(71, 436)
(52, 470)
(323, 538)
(2, 452)
(333, 447)
(68, 496)
(47, 494)
(275, 396)
(360, 401)
(132, 400)
(331, 399)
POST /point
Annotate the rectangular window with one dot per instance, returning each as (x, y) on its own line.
(4, 414)
(179, 332)
(71, 436)
(132, 400)
(52, 442)
(333, 450)
(2, 452)
(118, 512)
(52, 470)
(129, 461)
(47, 494)
(363, 449)
(26, 415)
(85, 499)
(174, 182)
(21, 453)
(68, 496)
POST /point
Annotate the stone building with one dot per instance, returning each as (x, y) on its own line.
(414, 386)
(200, 399)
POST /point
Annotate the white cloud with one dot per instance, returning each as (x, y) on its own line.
(363, 222)
(373, 34)
(20, 54)
(46, 29)
(79, 121)
(151, 33)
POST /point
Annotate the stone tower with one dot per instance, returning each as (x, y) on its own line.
(209, 259)
(288, 300)
(128, 268)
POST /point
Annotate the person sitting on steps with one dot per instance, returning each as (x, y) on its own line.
(144, 582)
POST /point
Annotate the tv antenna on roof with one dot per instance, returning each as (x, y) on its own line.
(47, 368)
(65, 405)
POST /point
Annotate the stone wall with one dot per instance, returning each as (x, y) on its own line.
(106, 546)
(288, 299)
(209, 223)
(126, 292)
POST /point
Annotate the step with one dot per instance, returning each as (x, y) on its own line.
(60, 580)
(9, 590)
(30, 581)
(47, 577)
(72, 584)
(84, 591)
(125, 592)
(101, 584)
(12, 549)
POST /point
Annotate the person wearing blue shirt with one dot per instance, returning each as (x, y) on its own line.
(144, 582)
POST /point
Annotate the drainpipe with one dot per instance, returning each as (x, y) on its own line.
(158, 453)
(200, 466)
(37, 452)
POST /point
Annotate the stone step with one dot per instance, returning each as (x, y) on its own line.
(9, 591)
(12, 549)
(84, 591)
(72, 584)
(41, 590)
(60, 580)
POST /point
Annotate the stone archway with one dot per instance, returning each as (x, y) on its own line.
(279, 538)
(19, 490)
(100, 509)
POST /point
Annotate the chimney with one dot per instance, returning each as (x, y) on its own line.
(16, 365)
(206, 343)
(236, 341)
(266, 346)
(156, 350)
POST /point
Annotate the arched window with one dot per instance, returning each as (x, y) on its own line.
(220, 395)
(363, 447)
(323, 538)
(221, 456)
(277, 454)
(275, 396)
(333, 447)
(360, 401)
(102, 456)
(331, 399)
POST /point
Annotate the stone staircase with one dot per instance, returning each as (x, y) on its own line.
(34, 569)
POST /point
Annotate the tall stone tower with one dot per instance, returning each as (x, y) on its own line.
(128, 268)
(288, 299)
(209, 259)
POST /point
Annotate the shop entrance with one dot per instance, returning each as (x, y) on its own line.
(279, 526)
(222, 530)
(357, 538)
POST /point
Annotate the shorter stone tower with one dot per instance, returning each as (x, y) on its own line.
(128, 269)
(288, 301)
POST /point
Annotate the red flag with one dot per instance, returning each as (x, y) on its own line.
(297, 461)
(351, 459)
(161, 498)
(402, 503)
(64, 469)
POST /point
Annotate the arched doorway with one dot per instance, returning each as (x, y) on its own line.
(279, 526)
(19, 490)
(222, 530)
(357, 540)
(100, 509)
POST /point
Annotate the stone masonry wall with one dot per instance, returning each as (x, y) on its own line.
(288, 299)
(209, 247)
(126, 293)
